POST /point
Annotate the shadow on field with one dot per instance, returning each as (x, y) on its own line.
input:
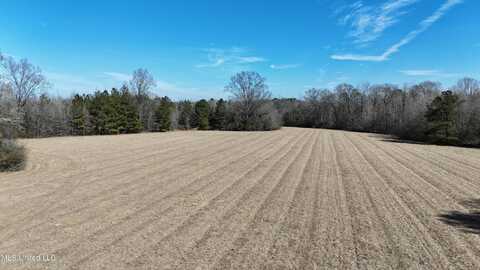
(468, 222)
(393, 139)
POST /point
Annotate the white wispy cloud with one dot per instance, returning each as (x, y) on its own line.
(217, 57)
(357, 57)
(65, 83)
(179, 91)
(284, 66)
(428, 73)
(422, 27)
(120, 77)
(250, 59)
(216, 63)
(369, 22)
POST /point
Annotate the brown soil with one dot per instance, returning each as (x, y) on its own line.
(288, 199)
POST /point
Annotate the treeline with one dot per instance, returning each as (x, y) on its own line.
(422, 112)
(130, 109)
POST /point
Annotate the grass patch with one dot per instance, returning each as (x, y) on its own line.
(12, 156)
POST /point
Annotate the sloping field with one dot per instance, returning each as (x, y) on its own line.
(289, 199)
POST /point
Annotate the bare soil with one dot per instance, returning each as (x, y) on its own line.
(288, 199)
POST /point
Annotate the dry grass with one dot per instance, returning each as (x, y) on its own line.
(288, 199)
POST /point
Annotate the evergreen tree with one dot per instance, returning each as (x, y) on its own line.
(441, 115)
(202, 112)
(130, 120)
(219, 116)
(112, 110)
(163, 114)
(78, 114)
(186, 111)
(100, 113)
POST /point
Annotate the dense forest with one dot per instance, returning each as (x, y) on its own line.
(423, 112)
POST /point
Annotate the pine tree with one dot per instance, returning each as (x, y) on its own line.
(78, 115)
(441, 116)
(202, 111)
(163, 114)
(113, 113)
(186, 111)
(97, 110)
(218, 117)
(130, 120)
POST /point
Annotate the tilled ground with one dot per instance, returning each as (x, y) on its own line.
(288, 199)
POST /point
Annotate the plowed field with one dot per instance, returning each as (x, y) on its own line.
(288, 199)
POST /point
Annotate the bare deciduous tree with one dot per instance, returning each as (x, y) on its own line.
(141, 84)
(468, 86)
(24, 78)
(248, 87)
(249, 96)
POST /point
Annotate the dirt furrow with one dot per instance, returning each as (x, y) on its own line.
(255, 246)
(112, 190)
(86, 155)
(247, 215)
(290, 247)
(372, 242)
(427, 203)
(289, 199)
(458, 169)
(118, 163)
(413, 251)
(452, 185)
(331, 242)
(186, 202)
(108, 205)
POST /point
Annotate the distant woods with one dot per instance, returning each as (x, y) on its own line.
(132, 108)
(423, 112)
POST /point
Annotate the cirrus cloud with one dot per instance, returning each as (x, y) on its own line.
(422, 27)
(284, 66)
(369, 22)
(428, 73)
(217, 57)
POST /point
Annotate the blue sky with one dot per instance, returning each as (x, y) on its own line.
(193, 47)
